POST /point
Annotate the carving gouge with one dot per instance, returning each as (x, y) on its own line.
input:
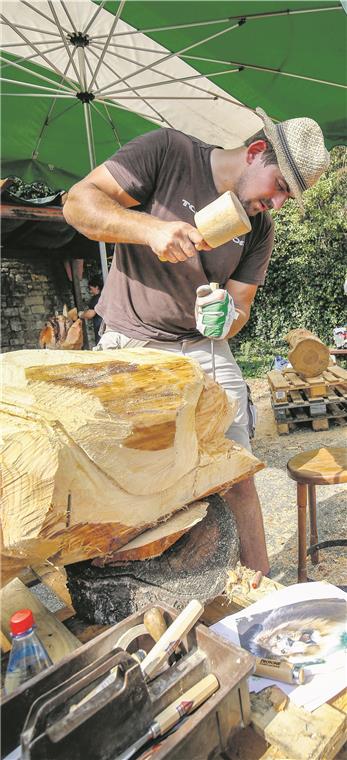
(172, 714)
(202, 291)
(213, 286)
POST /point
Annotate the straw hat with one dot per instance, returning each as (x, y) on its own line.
(300, 151)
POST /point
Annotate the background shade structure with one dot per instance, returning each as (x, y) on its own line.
(79, 79)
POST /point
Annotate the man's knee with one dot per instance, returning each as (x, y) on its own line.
(244, 488)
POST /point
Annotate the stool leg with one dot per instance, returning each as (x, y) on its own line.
(302, 504)
(312, 503)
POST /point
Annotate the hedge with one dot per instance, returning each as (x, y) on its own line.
(304, 283)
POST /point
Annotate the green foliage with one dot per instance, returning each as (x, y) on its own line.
(304, 283)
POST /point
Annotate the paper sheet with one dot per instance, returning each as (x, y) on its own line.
(304, 624)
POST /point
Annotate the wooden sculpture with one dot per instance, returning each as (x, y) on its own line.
(98, 447)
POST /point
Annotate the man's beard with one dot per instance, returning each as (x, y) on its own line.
(248, 207)
(247, 204)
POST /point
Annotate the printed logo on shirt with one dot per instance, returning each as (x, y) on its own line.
(190, 205)
(239, 241)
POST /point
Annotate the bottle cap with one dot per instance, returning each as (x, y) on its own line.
(21, 621)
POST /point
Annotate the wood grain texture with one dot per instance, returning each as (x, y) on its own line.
(155, 541)
(100, 446)
(322, 466)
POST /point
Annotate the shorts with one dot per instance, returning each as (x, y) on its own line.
(228, 373)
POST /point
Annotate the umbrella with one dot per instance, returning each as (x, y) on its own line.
(81, 78)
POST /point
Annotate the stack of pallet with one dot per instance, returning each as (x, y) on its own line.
(298, 398)
(318, 401)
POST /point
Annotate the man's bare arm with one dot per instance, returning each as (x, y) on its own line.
(243, 296)
(100, 209)
(87, 314)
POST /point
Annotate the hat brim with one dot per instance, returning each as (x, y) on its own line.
(271, 132)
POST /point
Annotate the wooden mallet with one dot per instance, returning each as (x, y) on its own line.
(222, 220)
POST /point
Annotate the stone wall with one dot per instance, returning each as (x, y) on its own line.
(34, 287)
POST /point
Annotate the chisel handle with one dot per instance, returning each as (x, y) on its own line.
(279, 670)
(155, 623)
(171, 638)
(186, 703)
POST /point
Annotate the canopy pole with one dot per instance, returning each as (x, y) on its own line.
(91, 149)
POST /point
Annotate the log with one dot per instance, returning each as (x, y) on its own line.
(195, 567)
(100, 446)
(307, 354)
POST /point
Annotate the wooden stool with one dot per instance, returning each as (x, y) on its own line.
(309, 469)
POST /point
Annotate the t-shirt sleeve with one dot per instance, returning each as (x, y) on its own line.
(255, 260)
(136, 165)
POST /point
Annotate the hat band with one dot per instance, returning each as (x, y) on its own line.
(298, 176)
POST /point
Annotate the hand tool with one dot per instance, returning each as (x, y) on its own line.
(122, 643)
(256, 580)
(170, 639)
(154, 621)
(205, 290)
(160, 653)
(213, 286)
(182, 706)
(279, 670)
(222, 220)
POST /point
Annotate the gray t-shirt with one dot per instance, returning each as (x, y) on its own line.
(170, 174)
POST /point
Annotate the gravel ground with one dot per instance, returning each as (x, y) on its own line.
(277, 494)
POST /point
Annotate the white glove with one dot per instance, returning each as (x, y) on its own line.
(214, 312)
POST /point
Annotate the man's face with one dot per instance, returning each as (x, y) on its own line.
(261, 187)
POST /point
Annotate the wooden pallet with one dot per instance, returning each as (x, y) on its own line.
(318, 401)
(273, 722)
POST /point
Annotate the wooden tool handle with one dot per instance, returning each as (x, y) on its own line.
(279, 670)
(169, 640)
(155, 623)
(186, 703)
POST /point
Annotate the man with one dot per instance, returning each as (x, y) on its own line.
(143, 199)
(94, 287)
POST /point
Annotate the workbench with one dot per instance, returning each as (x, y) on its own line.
(277, 731)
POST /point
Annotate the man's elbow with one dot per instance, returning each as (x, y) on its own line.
(70, 206)
(74, 211)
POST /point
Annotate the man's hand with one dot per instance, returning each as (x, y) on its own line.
(175, 241)
(214, 312)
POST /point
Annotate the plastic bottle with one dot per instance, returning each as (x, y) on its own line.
(28, 656)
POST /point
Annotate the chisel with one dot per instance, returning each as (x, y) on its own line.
(213, 286)
(172, 714)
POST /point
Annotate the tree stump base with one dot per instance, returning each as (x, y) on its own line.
(194, 568)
